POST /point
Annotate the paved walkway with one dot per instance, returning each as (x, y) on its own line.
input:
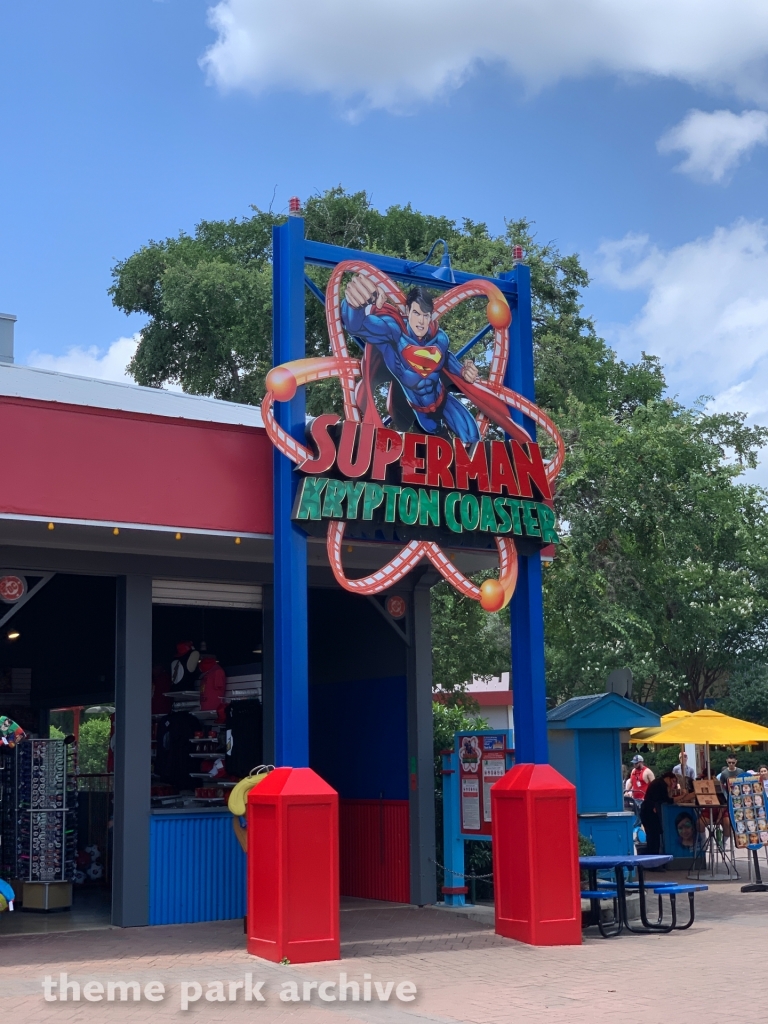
(462, 971)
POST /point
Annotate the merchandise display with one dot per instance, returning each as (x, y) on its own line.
(185, 666)
(39, 814)
(243, 682)
(244, 722)
(7, 896)
(10, 732)
(213, 683)
(747, 798)
(161, 684)
(208, 735)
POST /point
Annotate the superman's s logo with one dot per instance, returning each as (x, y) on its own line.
(424, 360)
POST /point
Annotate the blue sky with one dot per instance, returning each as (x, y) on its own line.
(116, 128)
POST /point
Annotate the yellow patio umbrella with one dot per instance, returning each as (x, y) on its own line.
(644, 735)
(704, 727)
(707, 728)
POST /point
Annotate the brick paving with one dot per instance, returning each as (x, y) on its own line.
(462, 970)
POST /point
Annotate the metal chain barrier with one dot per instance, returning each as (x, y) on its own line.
(457, 874)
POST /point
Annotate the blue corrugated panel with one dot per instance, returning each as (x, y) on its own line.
(197, 869)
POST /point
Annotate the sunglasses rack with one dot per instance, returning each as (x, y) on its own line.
(39, 806)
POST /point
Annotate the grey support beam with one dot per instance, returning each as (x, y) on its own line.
(420, 743)
(268, 670)
(133, 750)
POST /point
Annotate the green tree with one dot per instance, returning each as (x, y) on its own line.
(447, 720)
(660, 568)
(663, 566)
(466, 641)
(93, 747)
(208, 301)
(748, 694)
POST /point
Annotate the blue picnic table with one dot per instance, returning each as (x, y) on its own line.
(632, 862)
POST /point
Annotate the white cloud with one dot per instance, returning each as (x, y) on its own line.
(705, 313)
(716, 142)
(394, 54)
(91, 362)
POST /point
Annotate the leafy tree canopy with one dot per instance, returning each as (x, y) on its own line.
(208, 301)
(748, 695)
(466, 641)
(661, 566)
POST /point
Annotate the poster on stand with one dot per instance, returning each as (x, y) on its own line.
(470, 805)
(747, 807)
(482, 762)
(493, 770)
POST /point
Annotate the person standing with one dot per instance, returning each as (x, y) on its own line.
(684, 772)
(731, 771)
(661, 791)
(639, 779)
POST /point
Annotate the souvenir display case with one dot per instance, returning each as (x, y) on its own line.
(39, 821)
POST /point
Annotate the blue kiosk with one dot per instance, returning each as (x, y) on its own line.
(585, 747)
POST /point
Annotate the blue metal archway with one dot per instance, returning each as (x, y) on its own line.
(291, 253)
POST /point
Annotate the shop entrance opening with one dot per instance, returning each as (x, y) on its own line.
(57, 664)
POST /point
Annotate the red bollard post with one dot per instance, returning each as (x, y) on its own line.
(536, 857)
(293, 868)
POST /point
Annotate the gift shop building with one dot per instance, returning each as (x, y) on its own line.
(234, 586)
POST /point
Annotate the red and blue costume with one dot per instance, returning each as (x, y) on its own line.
(422, 373)
(423, 377)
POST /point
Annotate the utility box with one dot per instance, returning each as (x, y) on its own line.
(585, 746)
(293, 868)
(536, 857)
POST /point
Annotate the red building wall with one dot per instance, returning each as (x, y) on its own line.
(103, 465)
(374, 848)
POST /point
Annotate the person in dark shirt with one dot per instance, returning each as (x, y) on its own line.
(730, 771)
(661, 791)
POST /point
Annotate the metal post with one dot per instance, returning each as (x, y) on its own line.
(526, 608)
(291, 692)
(453, 840)
(133, 751)
(268, 670)
(420, 748)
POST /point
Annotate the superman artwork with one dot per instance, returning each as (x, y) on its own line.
(408, 351)
(404, 471)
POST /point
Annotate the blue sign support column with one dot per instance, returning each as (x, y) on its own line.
(291, 662)
(526, 608)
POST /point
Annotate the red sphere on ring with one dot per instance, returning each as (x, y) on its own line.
(281, 382)
(492, 595)
(498, 312)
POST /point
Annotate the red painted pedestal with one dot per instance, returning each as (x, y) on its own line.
(536, 857)
(293, 868)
